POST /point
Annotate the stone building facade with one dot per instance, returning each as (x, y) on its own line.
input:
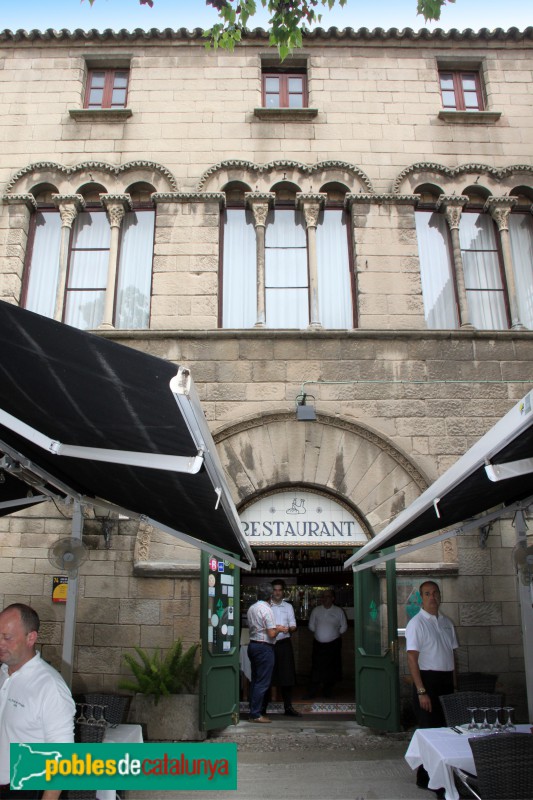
(354, 224)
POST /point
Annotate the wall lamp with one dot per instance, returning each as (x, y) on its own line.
(305, 412)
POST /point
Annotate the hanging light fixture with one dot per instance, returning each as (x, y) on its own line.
(305, 412)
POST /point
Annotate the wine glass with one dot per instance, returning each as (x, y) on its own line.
(472, 725)
(91, 719)
(497, 726)
(485, 726)
(509, 726)
(80, 707)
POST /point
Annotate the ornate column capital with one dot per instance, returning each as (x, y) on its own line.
(69, 206)
(499, 208)
(452, 205)
(310, 204)
(260, 204)
(116, 206)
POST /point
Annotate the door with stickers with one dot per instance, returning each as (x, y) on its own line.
(377, 683)
(220, 633)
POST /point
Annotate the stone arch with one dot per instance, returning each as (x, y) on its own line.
(498, 181)
(352, 463)
(262, 176)
(116, 179)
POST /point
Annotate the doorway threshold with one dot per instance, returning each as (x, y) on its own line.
(306, 707)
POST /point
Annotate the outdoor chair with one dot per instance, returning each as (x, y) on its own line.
(116, 705)
(503, 765)
(455, 705)
(85, 732)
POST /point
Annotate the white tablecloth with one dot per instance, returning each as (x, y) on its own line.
(440, 750)
(130, 734)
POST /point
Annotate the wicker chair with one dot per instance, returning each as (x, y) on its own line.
(116, 705)
(455, 705)
(84, 732)
(503, 764)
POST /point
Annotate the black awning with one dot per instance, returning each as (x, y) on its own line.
(496, 472)
(63, 390)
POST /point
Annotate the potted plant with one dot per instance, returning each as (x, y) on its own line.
(166, 700)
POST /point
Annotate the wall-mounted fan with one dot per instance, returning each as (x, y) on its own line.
(68, 554)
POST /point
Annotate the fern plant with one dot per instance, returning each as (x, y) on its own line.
(154, 674)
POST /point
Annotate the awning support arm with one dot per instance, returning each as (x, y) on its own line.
(511, 469)
(186, 464)
(471, 524)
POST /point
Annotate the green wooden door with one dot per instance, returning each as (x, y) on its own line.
(377, 686)
(220, 635)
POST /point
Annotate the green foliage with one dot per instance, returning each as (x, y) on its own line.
(174, 674)
(289, 19)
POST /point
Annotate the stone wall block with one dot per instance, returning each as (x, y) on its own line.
(139, 612)
(480, 614)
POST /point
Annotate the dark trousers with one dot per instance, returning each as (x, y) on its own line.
(261, 657)
(435, 683)
(10, 794)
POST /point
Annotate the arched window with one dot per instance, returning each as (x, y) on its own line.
(285, 258)
(521, 236)
(482, 267)
(436, 263)
(82, 273)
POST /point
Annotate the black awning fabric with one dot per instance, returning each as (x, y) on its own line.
(16, 495)
(465, 490)
(81, 389)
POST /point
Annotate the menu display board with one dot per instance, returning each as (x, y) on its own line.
(221, 627)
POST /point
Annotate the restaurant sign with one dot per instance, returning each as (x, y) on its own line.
(300, 518)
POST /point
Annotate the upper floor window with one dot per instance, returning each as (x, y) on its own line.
(436, 270)
(483, 274)
(461, 91)
(521, 236)
(81, 302)
(107, 88)
(284, 89)
(279, 279)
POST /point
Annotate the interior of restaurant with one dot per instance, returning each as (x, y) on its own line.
(307, 572)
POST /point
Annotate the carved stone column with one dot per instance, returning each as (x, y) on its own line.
(260, 203)
(499, 208)
(310, 205)
(452, 205)
(116, 206)
(69, 206)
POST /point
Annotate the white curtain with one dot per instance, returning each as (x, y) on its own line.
(44, 268)
(334, 286)
(483, 281)
(521, 233)
(436, 271)
(286, 275)
(135, 270)
(239, 289)
(87, 274)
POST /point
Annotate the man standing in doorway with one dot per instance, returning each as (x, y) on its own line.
(431, 643)
(263, 631)
(327, 622)
(35, 703)
(284, 674)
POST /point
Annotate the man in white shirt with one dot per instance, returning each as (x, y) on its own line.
(263, 631)
(327, 622)
(35, 703)
(431, 643)
(284, 674)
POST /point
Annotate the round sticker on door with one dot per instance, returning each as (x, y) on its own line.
(224, 630)
(214, 620)
(211, 580)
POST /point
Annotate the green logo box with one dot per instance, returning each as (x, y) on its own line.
(157, 766)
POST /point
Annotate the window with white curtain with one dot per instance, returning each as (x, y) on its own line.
(521, 235)
(286, 274)
(286, 270)
(88, 266)
(436, 270)
(482, 272)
